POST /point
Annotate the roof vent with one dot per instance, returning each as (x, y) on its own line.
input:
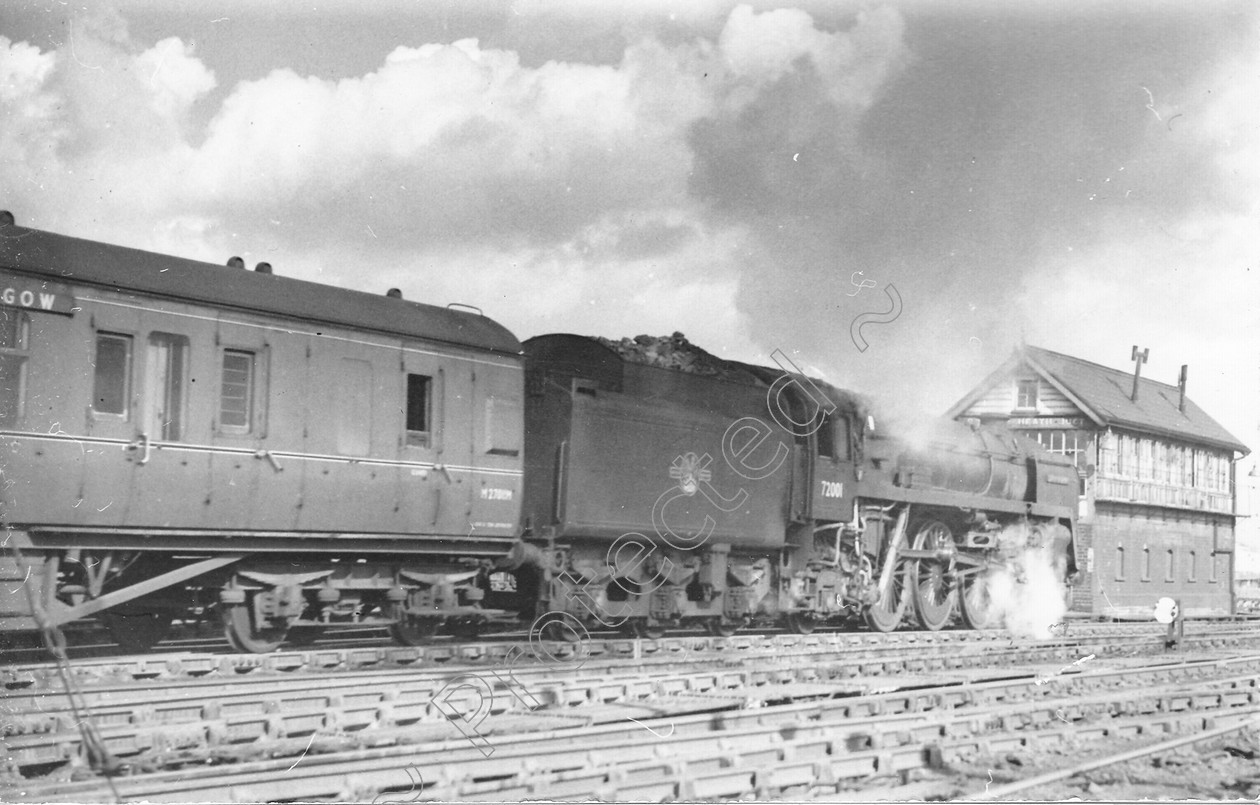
(6, 218)
(263, 268)
(394, 293)
(235, 262)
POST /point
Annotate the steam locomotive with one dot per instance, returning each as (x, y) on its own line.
(181, 438)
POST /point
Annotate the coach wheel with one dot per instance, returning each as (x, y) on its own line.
(139, 631)
(720, 627)
(886, 613)
(933, 590)
(239, 628)
(410, 631)
(801, 623)
(979, 610)
(303, 636)
(640, 627)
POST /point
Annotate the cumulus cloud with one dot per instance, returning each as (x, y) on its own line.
(589, 175)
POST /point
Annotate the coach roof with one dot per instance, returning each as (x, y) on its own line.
(73, 260)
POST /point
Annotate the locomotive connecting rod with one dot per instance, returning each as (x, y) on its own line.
(894, 549)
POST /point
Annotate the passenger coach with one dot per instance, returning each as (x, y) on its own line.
(179, 434)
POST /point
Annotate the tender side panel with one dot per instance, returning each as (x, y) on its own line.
(627, 455)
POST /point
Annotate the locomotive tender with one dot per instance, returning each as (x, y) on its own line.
(182, 437)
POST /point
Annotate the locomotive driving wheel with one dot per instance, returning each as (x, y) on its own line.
(238, 627)
(933, 590)
(979, 611)
(885, 614)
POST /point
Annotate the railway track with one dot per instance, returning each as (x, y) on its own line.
(228, 720)
(799, 745)
(334, 655)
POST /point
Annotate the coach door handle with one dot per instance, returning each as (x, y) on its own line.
(142, 444)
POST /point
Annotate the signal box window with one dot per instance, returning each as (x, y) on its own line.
(14, 327)
(419, 411)
(1026, 394)
(111, 387)
(165, 384)
(236, 394)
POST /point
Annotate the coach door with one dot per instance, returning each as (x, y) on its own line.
(432, 491)
(171, 464)
(114, 447)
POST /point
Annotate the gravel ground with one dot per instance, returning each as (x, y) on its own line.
(1227, 769)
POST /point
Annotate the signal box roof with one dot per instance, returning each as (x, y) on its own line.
(59, 258)
(1102, 394)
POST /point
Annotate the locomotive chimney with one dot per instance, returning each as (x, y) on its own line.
(1140, 358)
(235, 262)
(263, 268)
(1181, 386)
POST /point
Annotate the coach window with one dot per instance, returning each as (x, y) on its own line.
(166, 378)
(236, 392)
(111, 387)
(419, 411)
(14, 331)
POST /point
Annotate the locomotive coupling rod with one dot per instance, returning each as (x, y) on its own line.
(939, 554)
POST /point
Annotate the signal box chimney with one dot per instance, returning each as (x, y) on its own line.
(1140, 357)
(1181, 385)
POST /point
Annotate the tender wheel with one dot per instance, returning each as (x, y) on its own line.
(933, 591)
(466, 628)
(410, 631)
(885, 615)
(976, 603)
(642, 628)
(801, 623)
(137, 632)
(720, 627)
(239, 628)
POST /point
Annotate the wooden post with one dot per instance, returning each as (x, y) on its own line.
(1140, 357)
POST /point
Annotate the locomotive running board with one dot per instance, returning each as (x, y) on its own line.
(64, 613)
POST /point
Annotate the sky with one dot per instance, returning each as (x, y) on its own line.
(1083, 177)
